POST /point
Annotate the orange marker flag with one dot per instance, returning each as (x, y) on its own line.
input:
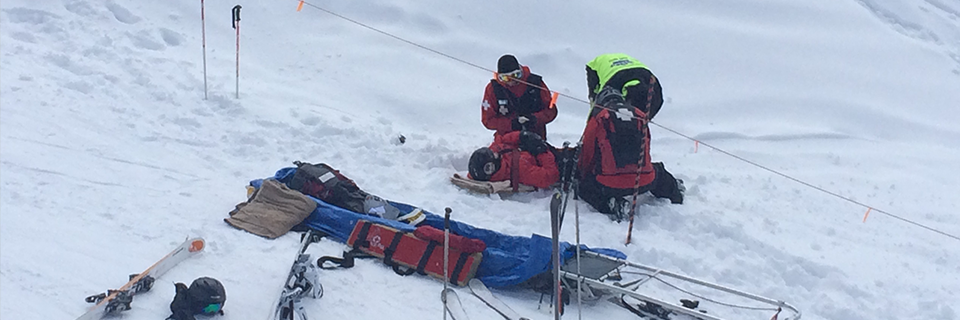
(300, 6)
(553, 101)
(696, 146)
(865, 215)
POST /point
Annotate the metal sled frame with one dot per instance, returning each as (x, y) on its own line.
(593, 281)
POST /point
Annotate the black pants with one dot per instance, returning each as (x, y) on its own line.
(664, 185)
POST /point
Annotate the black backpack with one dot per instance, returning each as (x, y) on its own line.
(327, 184)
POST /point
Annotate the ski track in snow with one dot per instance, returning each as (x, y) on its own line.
(110, 155)
(933, 21)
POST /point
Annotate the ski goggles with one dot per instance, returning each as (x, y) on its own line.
(510, 76)
(212, 308)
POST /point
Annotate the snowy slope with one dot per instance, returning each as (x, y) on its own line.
(110, 156)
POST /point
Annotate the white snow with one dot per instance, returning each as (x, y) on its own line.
(110, 156)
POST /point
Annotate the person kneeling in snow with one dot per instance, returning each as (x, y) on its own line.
(519, 156)
(516, 100)
(615, 159)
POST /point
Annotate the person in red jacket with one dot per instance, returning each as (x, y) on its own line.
(516, 156)
(516, 100)
(616, 143)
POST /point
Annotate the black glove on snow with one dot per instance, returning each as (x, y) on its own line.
(532, 143)
(181, 308)
(523, 122)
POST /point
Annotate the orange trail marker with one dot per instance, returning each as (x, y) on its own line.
(300, 6)
(553, 100)
(696, 146)
(865, 215)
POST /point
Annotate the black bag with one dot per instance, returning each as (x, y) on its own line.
(327, 184)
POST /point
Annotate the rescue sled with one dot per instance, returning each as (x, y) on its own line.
(655, 293)
(488, 187)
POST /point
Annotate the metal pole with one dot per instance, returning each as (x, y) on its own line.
(236, 25)
(576, 215)
(446, 252)
(203, 37)
(641, 162)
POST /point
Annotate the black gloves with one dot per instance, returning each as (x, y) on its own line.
(532, 143)
(523, 122)
(181, 307)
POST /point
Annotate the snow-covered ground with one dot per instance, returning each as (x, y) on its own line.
(110, 156)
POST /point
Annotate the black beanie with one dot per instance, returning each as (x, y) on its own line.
(507, 63)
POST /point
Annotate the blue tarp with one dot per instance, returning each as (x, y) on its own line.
(507, 261)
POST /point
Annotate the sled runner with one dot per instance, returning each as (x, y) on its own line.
(650, 292)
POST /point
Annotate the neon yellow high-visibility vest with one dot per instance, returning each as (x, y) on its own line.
(606, 65)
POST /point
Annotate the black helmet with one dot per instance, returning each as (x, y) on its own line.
(609, 97)
(204, 296)
(208, 294)
(483, 164)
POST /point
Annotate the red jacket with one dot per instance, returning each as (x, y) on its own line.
(539, 171)
(596, 156)
(493, 119)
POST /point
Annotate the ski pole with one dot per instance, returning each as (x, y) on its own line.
(203, 37)
(555, 254)
(236, 25)
(446, 251)
(576, 215)
(640, 162)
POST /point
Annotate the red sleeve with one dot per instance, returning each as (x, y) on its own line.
(505, 141)
(489, 113)
(510, 140)
(548, 112)
(540, 172)
(587, 150)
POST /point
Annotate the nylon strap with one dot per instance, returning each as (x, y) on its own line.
(422, 265)
(362, 236)
(459, 268)
(390, 250)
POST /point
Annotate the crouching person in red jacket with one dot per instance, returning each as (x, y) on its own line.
(616, 146)
(519, 156)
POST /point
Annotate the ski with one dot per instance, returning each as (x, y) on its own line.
(481, 291)
(555, 207)
(115, 301)
(451, 303)
(650, 310)
(302, 281)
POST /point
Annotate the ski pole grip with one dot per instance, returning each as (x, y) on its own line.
(236, 15)
(446, 217)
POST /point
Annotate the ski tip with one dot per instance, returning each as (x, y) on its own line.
(475, 283)
(196, 245)
(447, 292)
